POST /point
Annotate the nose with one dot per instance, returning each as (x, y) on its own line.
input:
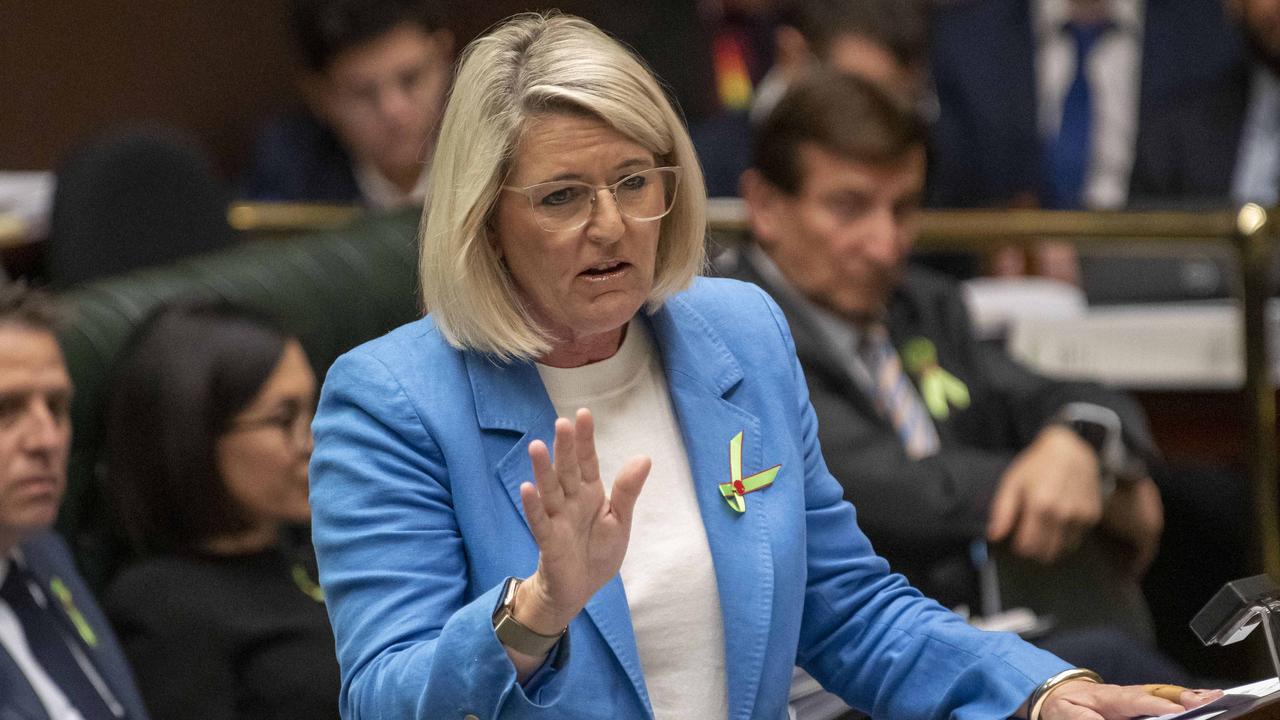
(44, 430)
(606, 224)
(881, 239)
(395, 103)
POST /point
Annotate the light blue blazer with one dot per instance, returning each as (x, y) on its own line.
(420, 451)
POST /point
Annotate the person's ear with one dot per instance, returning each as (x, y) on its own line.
(791, 52)
(765, 205)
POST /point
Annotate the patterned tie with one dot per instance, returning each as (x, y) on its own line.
(896, 398)
(50, 644)
(1067, 156)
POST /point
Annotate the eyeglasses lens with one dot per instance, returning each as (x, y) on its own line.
(643, 196)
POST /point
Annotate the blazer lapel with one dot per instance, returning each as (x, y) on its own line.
(513, 409)
(700, 373)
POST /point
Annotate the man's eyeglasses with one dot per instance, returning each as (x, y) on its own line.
(565, 205)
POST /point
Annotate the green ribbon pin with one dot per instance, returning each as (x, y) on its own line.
(60, 591)
(939, 389)
(738, 485)
(303, 580)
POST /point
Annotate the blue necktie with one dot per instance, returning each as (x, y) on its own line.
(49, 643)
(1067, 156)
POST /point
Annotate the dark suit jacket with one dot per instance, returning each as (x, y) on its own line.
(298, 159)
(47, 558)
(986, 146)
(922, 515)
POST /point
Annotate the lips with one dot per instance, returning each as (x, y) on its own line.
(605, 270)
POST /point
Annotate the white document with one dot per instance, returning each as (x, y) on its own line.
(1233, 697)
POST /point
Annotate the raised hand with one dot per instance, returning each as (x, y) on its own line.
(582, 531)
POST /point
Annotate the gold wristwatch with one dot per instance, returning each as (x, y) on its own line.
(514, 635)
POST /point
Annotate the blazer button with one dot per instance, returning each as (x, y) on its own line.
(470, 717)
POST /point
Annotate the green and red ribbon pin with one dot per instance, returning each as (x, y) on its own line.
(738, 486)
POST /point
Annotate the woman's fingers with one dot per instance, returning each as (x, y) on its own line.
(585, 442)
(534, 512)
(1085, 700)
(565, 458)
(627, 486)
(544, 475)
(1191, 699)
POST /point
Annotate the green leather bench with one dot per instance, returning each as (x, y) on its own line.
(333, 290)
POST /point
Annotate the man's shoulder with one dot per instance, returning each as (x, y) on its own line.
(46, 550)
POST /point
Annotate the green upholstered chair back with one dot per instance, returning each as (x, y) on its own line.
(333, 290)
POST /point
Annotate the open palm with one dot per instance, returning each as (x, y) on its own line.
(582, 531)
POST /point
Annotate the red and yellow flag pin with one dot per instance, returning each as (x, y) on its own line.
(738, 486)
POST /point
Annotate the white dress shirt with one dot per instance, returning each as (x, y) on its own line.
(1257, 177)
(1114, 69)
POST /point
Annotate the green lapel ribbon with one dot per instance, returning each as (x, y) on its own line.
(303, 580)
(60, 591)
(939, 389)
(738, 485)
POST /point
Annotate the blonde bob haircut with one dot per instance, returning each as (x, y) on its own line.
(531, 65)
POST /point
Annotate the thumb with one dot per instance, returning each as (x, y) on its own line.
(627, 486)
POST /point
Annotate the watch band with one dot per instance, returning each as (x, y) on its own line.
(515, 635)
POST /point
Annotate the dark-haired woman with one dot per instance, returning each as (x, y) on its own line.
(208, 440)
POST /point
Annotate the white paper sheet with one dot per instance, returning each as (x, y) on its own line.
(1233, 696)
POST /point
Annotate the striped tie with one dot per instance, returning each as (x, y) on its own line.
(895, 396)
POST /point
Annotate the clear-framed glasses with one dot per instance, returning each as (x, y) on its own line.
(565, 205)
(293, 422)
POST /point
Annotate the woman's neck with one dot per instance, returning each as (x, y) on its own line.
(255, 539)
(584, 351)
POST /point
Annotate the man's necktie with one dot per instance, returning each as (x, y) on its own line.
(50, 644)
(1067, 156)
(895, 397)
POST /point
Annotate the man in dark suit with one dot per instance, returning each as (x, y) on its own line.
(58, 657)
(945, 445)
(1148, 113)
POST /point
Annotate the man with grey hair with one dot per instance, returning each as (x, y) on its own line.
(58, 657)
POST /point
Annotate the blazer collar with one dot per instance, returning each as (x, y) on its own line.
(513, 408)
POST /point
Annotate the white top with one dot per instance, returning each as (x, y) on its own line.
(14, 642)
(381, 194)
(668, 574)
(1114, 69)
(1257, 177)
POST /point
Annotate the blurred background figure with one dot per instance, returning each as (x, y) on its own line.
(58, 656)
(884, 41)
(130, 197)
(1084, 103)
(208, 440)
(1257, 172)
(376, 73)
